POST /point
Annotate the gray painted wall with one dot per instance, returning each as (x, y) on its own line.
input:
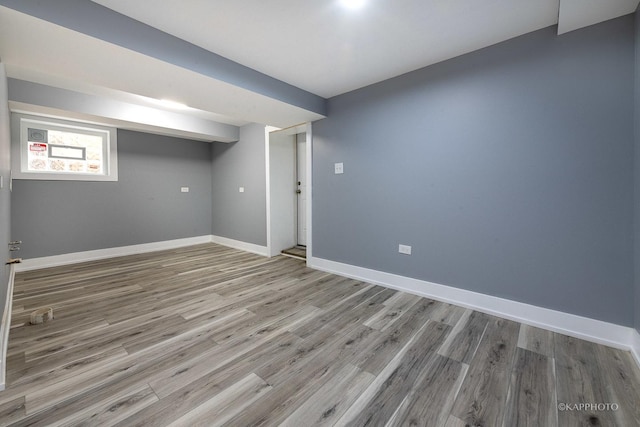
(509, 171)
(637, 174)
(240, 216)
(145, 205)
(5, 200)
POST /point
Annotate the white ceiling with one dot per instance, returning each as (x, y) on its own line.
(576, 14)
(326, 49)
(315, 45)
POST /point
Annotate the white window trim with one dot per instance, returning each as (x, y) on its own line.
(21, 122)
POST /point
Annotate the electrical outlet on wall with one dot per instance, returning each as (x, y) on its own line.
(404, 249)
(339, 168)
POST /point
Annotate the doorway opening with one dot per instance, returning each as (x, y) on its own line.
(288, 191)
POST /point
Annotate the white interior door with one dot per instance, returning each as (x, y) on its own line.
(301, 172)
(282, 189)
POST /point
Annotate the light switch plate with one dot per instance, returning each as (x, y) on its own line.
(184, 189)
(339, 168)
(241, 189)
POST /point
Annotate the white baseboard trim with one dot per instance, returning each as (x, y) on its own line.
(76, 257)
(5, 326)
(243, 246)
(635, 345)
(569, 324)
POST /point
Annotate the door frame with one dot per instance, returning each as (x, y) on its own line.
(294, 130)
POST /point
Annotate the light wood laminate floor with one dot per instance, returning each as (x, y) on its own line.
(208, 335)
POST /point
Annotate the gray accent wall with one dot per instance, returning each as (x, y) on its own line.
(508, 170)
(5, 199)
(145, 205)
(240, 216)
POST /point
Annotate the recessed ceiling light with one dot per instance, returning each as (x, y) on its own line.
(353, 4)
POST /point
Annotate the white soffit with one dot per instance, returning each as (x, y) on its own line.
(575, 14)
(64, 58)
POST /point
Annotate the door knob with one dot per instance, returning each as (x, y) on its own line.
(298, 191)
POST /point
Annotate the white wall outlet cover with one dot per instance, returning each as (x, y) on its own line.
(339, 168)
(241, 189)
(184, 189)
(404, 249)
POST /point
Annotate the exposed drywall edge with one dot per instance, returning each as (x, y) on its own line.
(5, 328)
(243, 246)
(76, 257)
(569, 324)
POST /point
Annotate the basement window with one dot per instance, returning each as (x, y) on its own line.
(54, 149)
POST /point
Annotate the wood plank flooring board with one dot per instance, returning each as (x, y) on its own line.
(62, 310)
(532, 399)
(614, 381)
(63, 363)
(445, 313)
(72, 368)
(203, 328)
(342, 323)
(227, 404)
(297, 294)
(623, 377)
(71, 297)
(116, 406)
(32, 335)
(379, 353)
(393, 309)
(465, 337)
(117, 375)
(303, 381)
(264, 326)
(244, 357)
(328, 293)
(379, 402)
(430, 400)
(12, 410)
(455, 422)
(208, 335)
(105, 334)
(185, 399)
(331, 400)
(330, 316)
(75, 339)
(301, 361)
(536, 340)
(581, 379)
(482, 397)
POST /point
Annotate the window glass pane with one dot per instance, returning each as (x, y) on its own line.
(56, 149)
(62, 151)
